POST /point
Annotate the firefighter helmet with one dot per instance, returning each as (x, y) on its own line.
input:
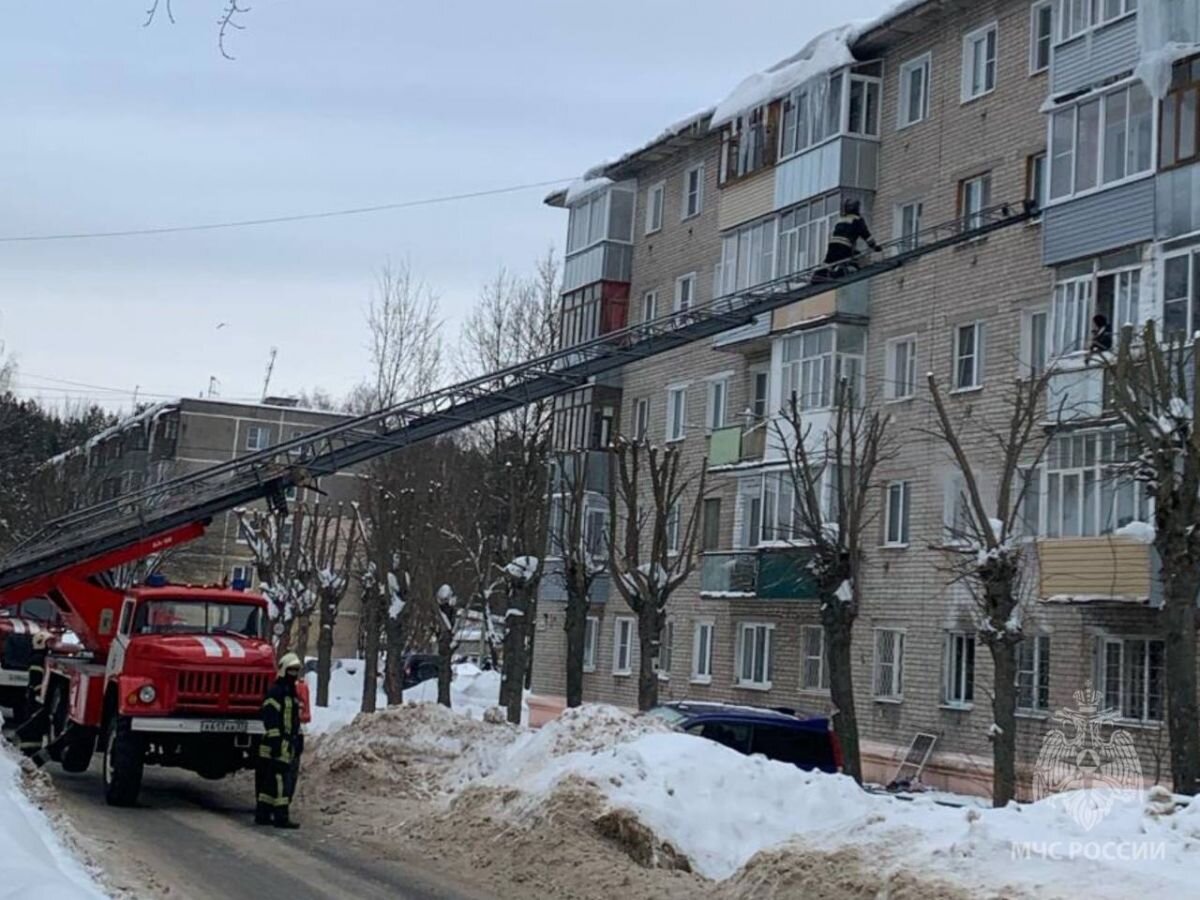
(289, 661)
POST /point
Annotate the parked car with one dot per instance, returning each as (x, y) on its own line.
(783, 735)
(420, 667)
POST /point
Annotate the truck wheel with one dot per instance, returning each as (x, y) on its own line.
(124, 759)
(78, 749)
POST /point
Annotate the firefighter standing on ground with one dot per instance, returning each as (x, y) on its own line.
(849, 229)
(30, 733)
(276, 772)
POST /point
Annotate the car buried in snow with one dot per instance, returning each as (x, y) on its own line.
(783, 735)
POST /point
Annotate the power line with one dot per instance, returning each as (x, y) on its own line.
(277, 220)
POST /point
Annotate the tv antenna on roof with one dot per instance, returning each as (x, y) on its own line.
(270, 370)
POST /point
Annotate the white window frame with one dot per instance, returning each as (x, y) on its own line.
(957, 519)
(717, 401)
(687, 212)
(591, 643)
(677, 421)
(924, 64)
(1031, 365)
(702, 663)
(913, 211)
(975, 195)
(650, 306)
(689, 279)
(629, 625)
(887, 685)
(262, 437)
(1068, 26)
(1066, 459)
(900, 386)
(1039, 659)
(763, 371)
(977, 356)
(674, 525)
(748, 256)
(970, 41)
(958, 684)
(1035, 38)
(666, 646)
(1118, 696)
(897, 493)
(248, 574)
(1192, 255)
(765, 683)
(809, 635)
(641, 418)
(656, 206)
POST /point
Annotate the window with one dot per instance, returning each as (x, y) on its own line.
(908, 225)
(804, 233)
(1116, 297)
(622, 646)
(591, 638)
(1041, 36)
(1179, 140)
(595, 534)
(650, 306)
(747, 257)
(641, 418)
(702, 638)
(914, 91)
(744, 145)
(808, 369)
(1033, 674)
(754, 655)
(974, 196)
(286, 530)
(959, 687)
(1034, 341)
(812, 113)
(655, 198)
(693, 191)
(711, 529)
(588, 218)
(685, 292)
(1104, 11)
(677, 412)
(1132, 676)
(1036, 188)
(760, 380)
(901, 378)
(242, 577)
(674, 534)
(258, 437)
(1089, 488)
(1072, 315)
(863, 106)
(665, 643)
(1074, 18)
(957, 520)
(1181, 294)
(814, 667)
(979, 63)
(888, 676)
(1101, 141)
(968, 357)
(899, 495)
(718, 402)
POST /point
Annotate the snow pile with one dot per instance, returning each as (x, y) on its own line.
(582, 188)
(1142, 532)
(472, 692)
(34, 863)
(1167, 32)
(523, 568)
(345, 695)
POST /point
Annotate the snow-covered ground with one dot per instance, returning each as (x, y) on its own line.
(34, 864)
(472, 692)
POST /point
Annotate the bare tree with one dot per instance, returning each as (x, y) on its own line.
(1151, 386)
(228, 22)
(583, 554)
(446, 603)
(833, 483)
(654, 528)
(332, 546)
(986, 554)
(284, 571)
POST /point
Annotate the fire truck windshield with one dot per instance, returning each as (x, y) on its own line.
(198, 617)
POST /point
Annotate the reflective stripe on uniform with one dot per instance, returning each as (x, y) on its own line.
(271, 701)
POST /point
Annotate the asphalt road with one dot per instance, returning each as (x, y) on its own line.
(195, 839)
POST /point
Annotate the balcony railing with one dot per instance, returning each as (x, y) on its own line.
(730, 446)
(766, 574)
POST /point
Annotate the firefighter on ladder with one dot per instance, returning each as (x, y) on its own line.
(849, 229)
(279, 752)
(33, 729)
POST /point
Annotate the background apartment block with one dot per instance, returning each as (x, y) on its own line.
(947, 109)
(188, 435)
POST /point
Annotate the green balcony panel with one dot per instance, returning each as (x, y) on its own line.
(784, 575)
(725, 447)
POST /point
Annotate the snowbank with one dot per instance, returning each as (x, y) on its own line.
(34, 864)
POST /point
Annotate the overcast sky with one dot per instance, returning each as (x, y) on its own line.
(330, 104)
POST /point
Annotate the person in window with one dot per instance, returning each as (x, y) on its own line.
(850, 228)
(1102, 336)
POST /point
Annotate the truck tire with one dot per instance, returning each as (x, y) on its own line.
(78, 748)
(124, 760)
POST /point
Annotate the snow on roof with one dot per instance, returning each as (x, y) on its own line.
(149, 414)
(584, 187)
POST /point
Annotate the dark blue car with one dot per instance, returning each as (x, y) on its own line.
(782, 735)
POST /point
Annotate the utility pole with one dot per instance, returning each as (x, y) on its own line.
(213, 387)
(270, 370)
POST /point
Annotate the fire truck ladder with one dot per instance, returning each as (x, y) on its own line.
(169, 512)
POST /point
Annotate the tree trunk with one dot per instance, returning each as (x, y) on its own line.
(649, 641)
(325, 650)
(1179, 614)
(1004, 717)
(303, 624)
(445, 648)
(393, 669)
(512, 682)
(841, 684)
(370, 651)
(575, 625)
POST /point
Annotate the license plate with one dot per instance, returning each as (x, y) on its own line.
(224, 727)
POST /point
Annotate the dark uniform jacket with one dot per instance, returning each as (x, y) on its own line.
(281, 719)
(847, 232)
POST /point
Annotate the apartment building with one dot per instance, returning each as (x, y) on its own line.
(929, 115)
(182, 436)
